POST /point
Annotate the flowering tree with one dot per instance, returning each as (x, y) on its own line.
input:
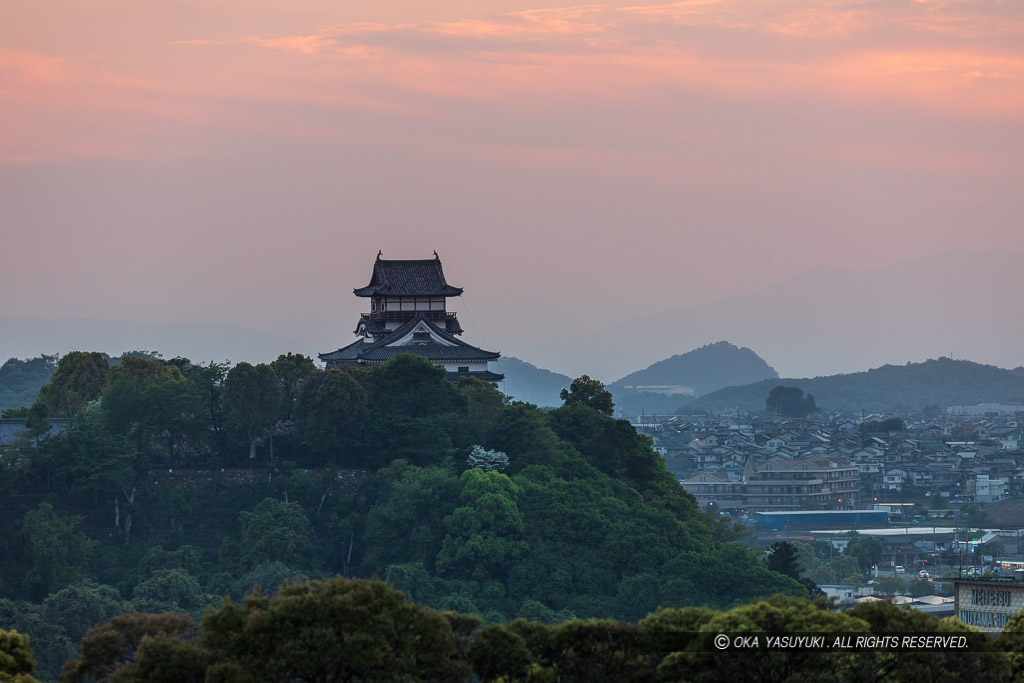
(488, 461)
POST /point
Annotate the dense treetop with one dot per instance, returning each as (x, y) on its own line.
(357, 630)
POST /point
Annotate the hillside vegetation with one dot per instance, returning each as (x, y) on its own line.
(342, 630)
(942, 382)
(179, 483)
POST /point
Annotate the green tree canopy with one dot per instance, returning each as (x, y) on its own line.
(59, 553)
(413, 387)
(208, 380)
(407, 525)
(291, 370)
(588, 392)
(166, 590)
(50, 644)
(163, 410)
(331, 411)
(783, 558)
(252, 401)
(789, 401)
(87, 458)
(275, 531)
(339, 630)
(778, 615)
(892, 424)
(81, 606)
(80, 377)
(485, 535)
(615, 448)
(866, 549)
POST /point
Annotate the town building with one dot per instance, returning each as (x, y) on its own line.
(720, 491)
(986, 489)
(820, 480)
(821, 519)
(842, 595)
(988, 604)
(787, 484)
(409, 314)
(13, 429)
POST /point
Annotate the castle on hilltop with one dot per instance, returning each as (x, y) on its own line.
(408, 314)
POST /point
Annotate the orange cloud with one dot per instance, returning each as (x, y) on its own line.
(304, 44)
(30, 67)
(200, 42)
(627, 57)
(527, 23)
(675, 10)
(563, 20)
(965, 83)
(816, 22)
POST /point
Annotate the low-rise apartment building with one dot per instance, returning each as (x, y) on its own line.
(827, 481)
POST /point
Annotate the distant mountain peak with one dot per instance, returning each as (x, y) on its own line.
(526, 382)
(710, 367)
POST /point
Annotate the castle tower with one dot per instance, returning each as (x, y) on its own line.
(409, 314)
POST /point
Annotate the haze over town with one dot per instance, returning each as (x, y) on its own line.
(834, 184)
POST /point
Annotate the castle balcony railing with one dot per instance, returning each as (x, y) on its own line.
(408, 315)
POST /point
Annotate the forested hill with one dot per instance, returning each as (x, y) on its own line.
(178, 483)
(20, 380)
(705, 369)
(943, 382)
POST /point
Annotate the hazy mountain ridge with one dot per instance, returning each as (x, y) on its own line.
(829, 320)
(820, 322)
(526, 382)
(943, 382)
(706, 369)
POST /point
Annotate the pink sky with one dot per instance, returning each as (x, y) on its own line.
(576, 165)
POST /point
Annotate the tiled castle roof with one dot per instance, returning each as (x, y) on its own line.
(377, 352)
(423, 277)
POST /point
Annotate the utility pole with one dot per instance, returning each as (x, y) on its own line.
(960, 548)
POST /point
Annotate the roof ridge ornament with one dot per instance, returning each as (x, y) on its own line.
(380, 252)
(436, 257)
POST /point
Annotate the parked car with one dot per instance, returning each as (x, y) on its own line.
(900, 569)
(923, 574)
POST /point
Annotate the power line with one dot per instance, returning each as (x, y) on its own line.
(472, 320)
